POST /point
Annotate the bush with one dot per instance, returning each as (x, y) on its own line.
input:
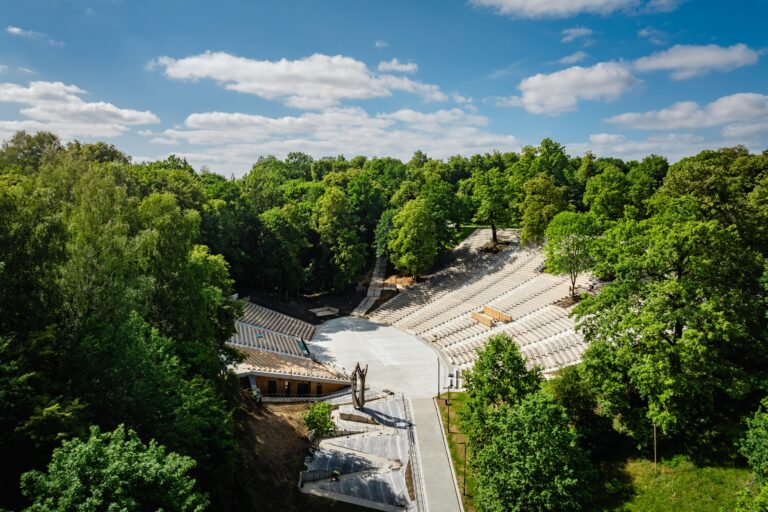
(318, 419)
(114, 471)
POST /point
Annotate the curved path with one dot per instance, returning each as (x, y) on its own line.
(402, 363)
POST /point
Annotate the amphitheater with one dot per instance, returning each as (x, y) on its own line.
(477, 295)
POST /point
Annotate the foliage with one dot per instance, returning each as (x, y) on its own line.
(568, 246)
(606, 194)
(318, 419)
(676, 328)
(489, 189)
(384, 233)
(413, 244)
(116, 283)
(755, 445)
(532, 460)
(114, 471)
(543, 200)
(498, 377)
(337, 227)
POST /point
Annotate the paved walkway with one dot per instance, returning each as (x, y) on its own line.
(435, 464)
(374, 288)
(402, 363)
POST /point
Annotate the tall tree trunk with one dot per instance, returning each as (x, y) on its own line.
(493, 231)
(573, 285)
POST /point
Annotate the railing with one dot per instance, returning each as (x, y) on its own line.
(275, 398)
(418, 479)
(313, 475)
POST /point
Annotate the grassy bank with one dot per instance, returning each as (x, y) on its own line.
(678, 485)
(455, 438)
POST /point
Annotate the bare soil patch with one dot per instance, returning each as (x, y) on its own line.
(274, 444)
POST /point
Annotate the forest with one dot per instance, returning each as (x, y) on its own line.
(116, 300)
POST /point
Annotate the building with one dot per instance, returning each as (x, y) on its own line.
(277, 356)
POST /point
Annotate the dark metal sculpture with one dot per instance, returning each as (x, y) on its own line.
(358, 386)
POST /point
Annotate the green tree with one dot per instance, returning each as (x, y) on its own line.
(755, 448)
(280, 249)
(489, 191)
(384, 232)
(606, 194)
(114, 471)
(338, 230)
(318, 420)
(568, 245)
(531, 460)
(755, 445)
(543, 200)
(26, 153)
(675, 339)
(499, 376)
(413, 245)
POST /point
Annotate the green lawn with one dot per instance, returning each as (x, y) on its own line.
(684, 487)
(679, 485)
(455, 437)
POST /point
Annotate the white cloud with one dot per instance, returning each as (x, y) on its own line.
(512, 69)
(672, 145)
(59, 108)
(26, 70)
(31, 34)
(381, 44)
(315, 82)
(688, 61)
(561, 91)
(566, 8)
(572, 34)
(663, 5)
(458, 98)
(16, 31)
(745, 130)
(231, 142)
(397, 66)
(656, 37)
(742, 115)
(507, 101)
(573, 58)
(3, 68)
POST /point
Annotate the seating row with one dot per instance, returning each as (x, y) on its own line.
(278, 322)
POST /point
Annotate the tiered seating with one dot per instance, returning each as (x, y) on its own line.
(464, 265)
(248, 335)
(278, 322)
(440, 310)
(472, 297)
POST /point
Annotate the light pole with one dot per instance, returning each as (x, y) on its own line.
(438, 377)
(448, 400)
(464, 477)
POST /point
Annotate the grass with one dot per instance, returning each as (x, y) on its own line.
(682, 486)
(631, 486)
(455, 437)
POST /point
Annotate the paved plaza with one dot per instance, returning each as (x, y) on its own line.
(401, 363)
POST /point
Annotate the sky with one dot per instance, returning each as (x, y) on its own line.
(223, 83)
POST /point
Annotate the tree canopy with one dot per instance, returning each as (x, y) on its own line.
(114, 471)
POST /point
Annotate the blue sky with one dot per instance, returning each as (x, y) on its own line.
(225, 82)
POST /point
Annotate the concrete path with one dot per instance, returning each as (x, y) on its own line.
(374, 288)
(435, 464)
(402, 363)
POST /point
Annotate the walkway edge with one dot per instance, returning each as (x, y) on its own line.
(450, 457)
(417, 470)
